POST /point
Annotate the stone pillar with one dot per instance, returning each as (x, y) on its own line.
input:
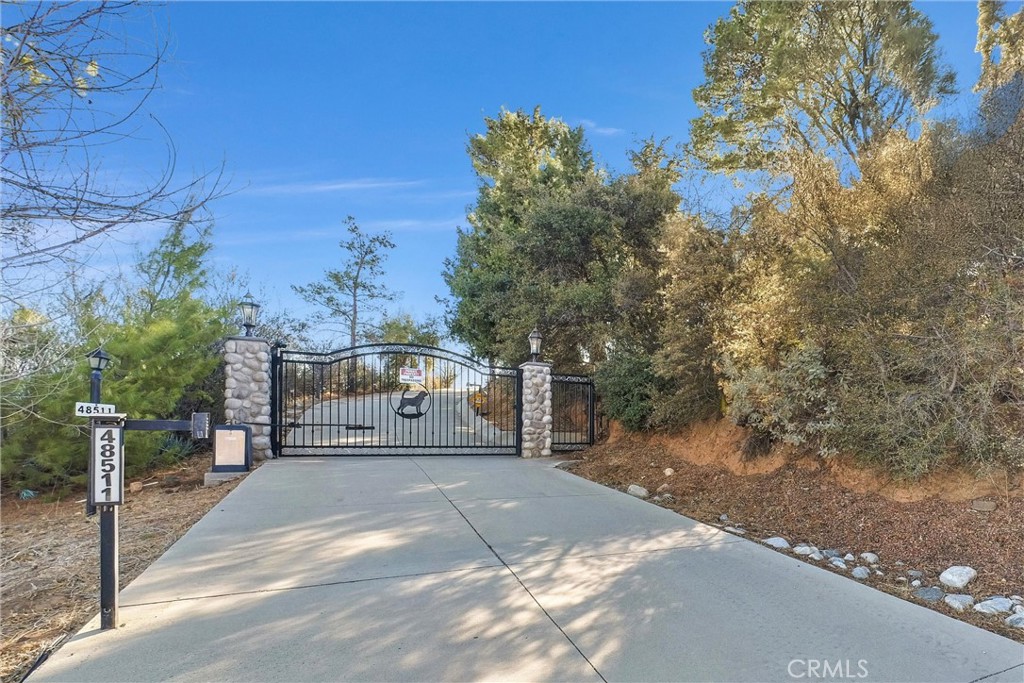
(536, 409)
(247, 389)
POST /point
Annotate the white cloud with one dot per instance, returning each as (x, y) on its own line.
(323, 186)
(415, 224)
(600, 130)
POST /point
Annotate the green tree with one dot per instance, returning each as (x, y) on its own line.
(830, 78)
(164, 343)
(355, 291)
(555, 243)
(700, 264)
(402, 328)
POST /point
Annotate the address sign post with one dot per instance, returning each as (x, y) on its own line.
(106, 492)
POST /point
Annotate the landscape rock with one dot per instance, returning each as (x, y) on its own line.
(849, 557)
(915, 583)
(816, 556)
(831, 553)
(1016, 620)
(776, 542)
(983, 505)
(861, 572)
(870, 558)
(837, 562)
(901, 579)
(959, 601)
(804, 549)
(1017, 599)
(996, 605)
(723, 518)
(958, 576)
(669, 471)
(735, 530)
(914, 574)
(1018, 609)
(930, 594)
(637, 491)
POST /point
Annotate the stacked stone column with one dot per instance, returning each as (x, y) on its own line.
(247, 389)
(536, 409)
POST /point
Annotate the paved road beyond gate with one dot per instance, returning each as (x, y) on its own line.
(390, 399)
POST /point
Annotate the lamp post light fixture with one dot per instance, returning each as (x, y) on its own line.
(535, 340)
(250, 309)
(98, 361)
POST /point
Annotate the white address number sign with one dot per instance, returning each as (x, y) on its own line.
(107, 464)
(92, 409)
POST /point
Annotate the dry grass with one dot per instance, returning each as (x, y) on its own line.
(49, 559)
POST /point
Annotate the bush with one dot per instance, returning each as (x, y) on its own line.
(628, 388)
(793, 404)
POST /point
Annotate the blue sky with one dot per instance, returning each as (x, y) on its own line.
(327, 109)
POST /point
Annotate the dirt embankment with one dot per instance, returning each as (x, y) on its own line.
(719, 443)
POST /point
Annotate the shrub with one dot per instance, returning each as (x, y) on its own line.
(793, 404)
(628, 387)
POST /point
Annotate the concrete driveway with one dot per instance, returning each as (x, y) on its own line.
(467, 568)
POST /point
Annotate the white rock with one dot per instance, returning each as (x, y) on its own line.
(637, 491)
(735, 530)
(1016, 620)
(915, 583)
(870, 558)
(849, 557)
(669, 471)
(995, 605)
(804, 549)
(957, 576)
(816, 556)
(959, 601)
(837, 562)
(776, 542)
(861, 572)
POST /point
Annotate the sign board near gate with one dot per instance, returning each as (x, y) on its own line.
(411, 375)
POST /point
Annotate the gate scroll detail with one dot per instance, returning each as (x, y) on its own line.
(391, 399)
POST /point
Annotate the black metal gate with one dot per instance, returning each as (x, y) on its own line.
(391, 399)
(572, 412)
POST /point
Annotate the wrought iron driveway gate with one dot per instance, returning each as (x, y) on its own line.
(392, 399)
(572, 412)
